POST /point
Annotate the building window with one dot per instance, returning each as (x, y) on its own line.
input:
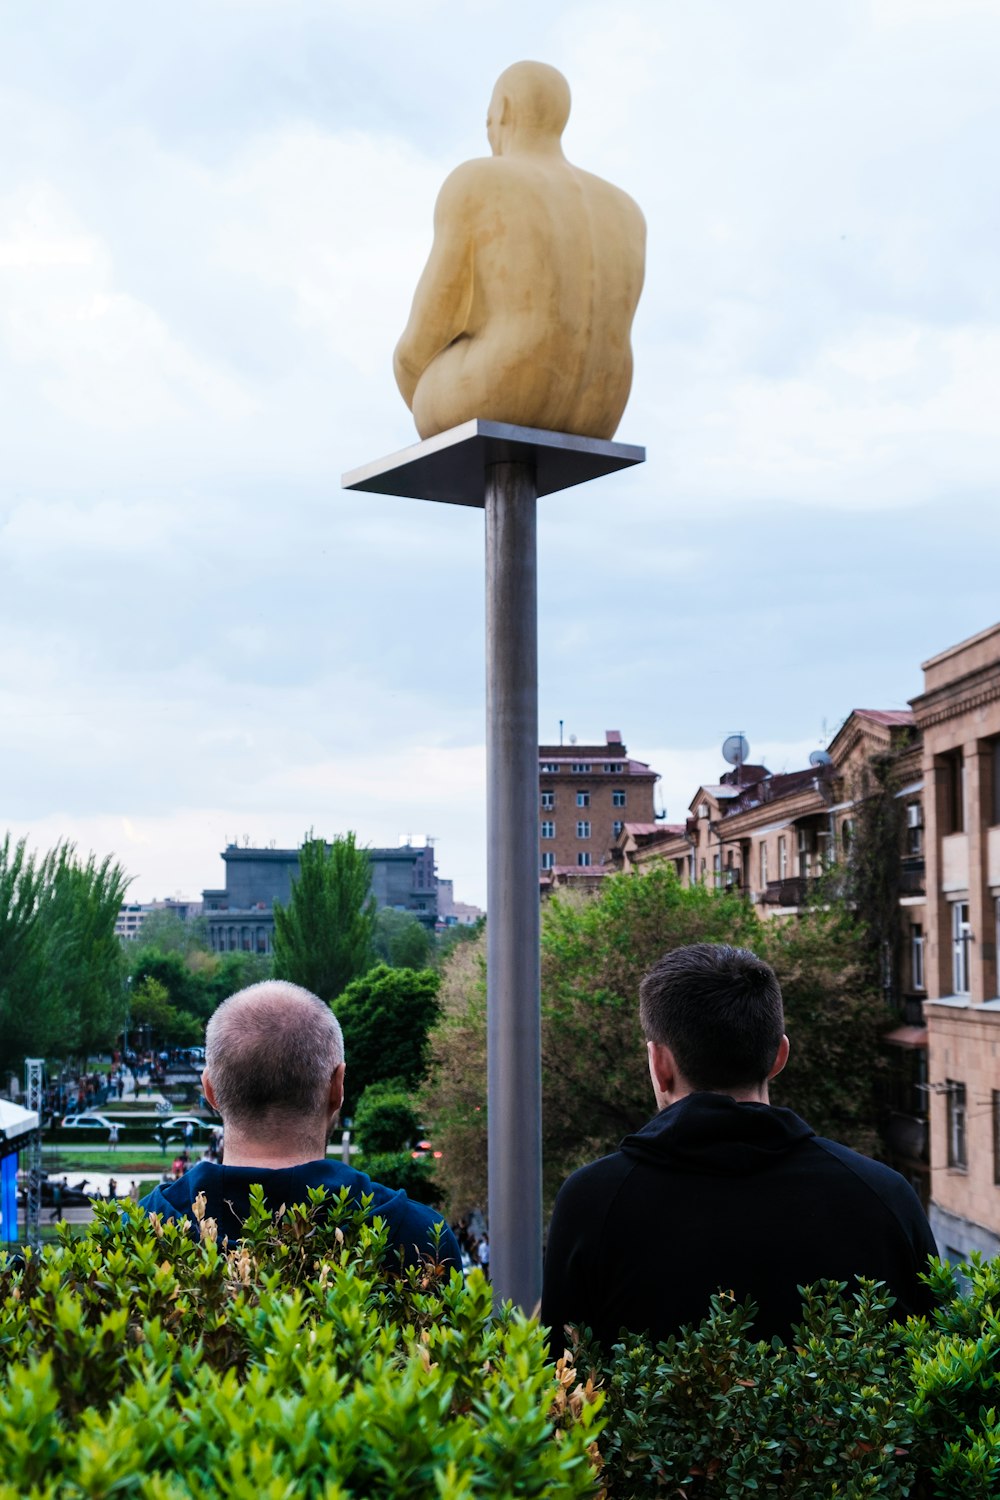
(583, 829)
(957, 1148)
(548, 860)
(549, 767)
(914, 828)
(763, 866)
(847, 834)
(783, 858)
(995, 1113)
(961, 941)
(805, 852)
(995, 780)
(917, 956)
(618, 797)
(583, 799)
(617, 825)
(583, 858)
(580, 768)
(548, 829)
(548, 801)
(954, 776)
(616, 767)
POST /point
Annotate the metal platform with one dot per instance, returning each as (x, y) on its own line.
(452, 467)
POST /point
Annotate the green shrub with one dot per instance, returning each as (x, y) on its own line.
(857, 1406)
(303, 1362)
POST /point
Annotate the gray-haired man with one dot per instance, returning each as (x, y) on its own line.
(274, 1070)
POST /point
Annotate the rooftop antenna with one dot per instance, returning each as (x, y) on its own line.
(819, 758)
(560, 731)
(735, 749)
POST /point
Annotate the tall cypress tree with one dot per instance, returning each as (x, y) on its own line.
(323, 938)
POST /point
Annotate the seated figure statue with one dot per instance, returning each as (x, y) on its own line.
(524, 309)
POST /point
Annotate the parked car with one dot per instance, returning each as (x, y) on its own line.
(174, 1126)
(88, 1122)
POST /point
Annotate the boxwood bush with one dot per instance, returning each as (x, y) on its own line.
(303, 1362)
(146, 1361)
(856, 1406)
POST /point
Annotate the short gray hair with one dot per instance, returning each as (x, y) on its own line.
(272, 1049)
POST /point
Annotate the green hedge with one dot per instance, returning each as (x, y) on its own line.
(139, 1360)
(857, 1406)
(303, 1363)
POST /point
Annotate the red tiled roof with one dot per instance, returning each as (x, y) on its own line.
(887, 716)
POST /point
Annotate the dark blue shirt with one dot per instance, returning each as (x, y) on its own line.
(227, 1201)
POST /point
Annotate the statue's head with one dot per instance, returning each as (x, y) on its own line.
(529, 107)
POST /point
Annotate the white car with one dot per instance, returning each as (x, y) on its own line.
(88, 1122)
(174, 1126)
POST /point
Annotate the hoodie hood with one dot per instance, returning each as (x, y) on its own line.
(717, 1136)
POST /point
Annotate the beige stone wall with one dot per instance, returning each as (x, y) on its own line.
(964, 1047)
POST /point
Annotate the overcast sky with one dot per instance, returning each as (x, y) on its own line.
(212, 219)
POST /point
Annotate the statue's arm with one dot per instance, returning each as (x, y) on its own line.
(443, 299)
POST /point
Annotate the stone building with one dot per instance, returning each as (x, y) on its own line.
(240, 915)
(958, 715)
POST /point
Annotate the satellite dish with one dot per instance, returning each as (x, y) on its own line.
(820, 758)
(735, 750)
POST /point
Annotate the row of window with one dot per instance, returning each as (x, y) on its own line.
(581, 767)
(549, 859)
(582, 828)
(582, 799)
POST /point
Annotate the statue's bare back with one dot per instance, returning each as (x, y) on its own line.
(524, 310)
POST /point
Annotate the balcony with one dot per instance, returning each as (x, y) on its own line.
(792, 891)
(912, 881)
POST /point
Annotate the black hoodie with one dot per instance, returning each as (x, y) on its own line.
(715, 1194)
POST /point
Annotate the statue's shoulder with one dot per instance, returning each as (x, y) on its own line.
(472, 176)
(600, 187)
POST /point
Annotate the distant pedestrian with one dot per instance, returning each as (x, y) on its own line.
(133, 1190)
(188, 1133)
(484, 1253)
(113, 1136)
(112, 1189)
(121, 1084)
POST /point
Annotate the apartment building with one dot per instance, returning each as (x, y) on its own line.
(586, 795)
(958, 715)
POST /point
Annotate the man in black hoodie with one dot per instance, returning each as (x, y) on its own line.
(720, 1190)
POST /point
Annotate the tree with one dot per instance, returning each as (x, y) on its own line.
(168, 1026)
(386, 1016)
(386, 1119)
(323, 937)
(168, 932)
(595, 950)
(61, 977)
(400, 940)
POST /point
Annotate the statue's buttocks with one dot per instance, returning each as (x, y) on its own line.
(524, 310)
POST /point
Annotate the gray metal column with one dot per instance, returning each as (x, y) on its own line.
(513, 1004)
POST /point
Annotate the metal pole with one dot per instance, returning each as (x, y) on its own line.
(512, 982)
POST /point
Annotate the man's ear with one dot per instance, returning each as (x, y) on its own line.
(662, 1068)
(208, 1091)
(337, 1087)
(781, 1057)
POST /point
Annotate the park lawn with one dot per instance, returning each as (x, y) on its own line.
(127, 1159)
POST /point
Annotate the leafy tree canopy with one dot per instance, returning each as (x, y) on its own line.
(595, 950)
(61, 975)
(401, 941)
(386, 1119)
(323, 937)
(386, 1016)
